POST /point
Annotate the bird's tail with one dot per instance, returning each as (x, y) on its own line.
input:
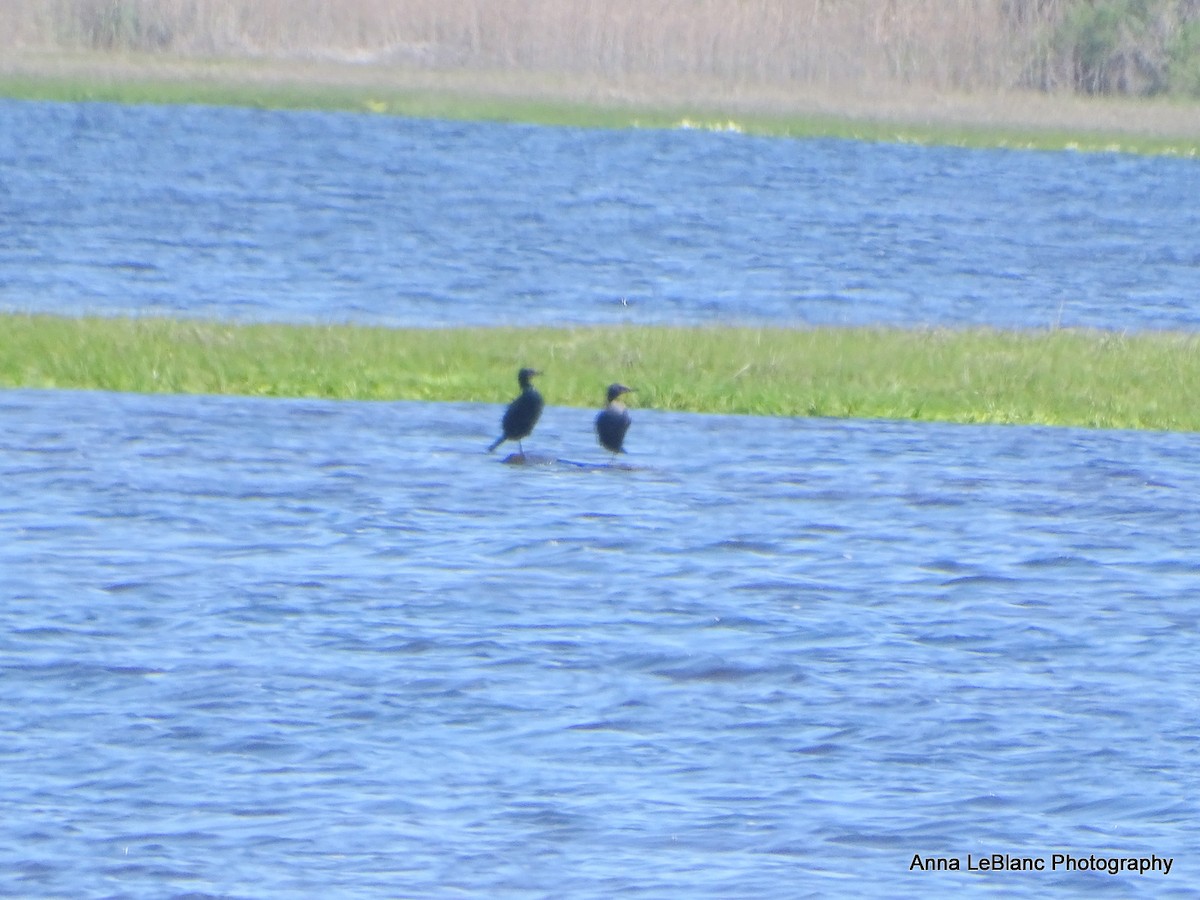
(496, 443)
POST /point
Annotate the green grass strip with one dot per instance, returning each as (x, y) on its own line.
(464, 105)
(1053, 377)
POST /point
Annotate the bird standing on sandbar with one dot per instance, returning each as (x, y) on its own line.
(613, 421)
(522, 414)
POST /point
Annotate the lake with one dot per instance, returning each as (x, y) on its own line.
(269, 648)
(255, 647)
(264, 215)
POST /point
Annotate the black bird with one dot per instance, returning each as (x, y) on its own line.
(522, 414)
(613, 421)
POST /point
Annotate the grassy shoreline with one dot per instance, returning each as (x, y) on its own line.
(1023, 121)
(1047, 377)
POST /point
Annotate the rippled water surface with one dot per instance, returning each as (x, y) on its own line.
(324, 216)
(270, 648)
(294, 648)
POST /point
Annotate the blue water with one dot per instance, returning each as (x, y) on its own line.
(257, 648)
(262, 648)
(330, 217)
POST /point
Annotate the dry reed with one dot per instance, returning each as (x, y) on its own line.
(943, 45)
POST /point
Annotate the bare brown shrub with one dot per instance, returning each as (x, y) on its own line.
(941, 45)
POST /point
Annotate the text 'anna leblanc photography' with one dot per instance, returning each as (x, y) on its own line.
(1055, 862)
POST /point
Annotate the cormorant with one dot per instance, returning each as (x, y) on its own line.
(613, 421)
(522, 414)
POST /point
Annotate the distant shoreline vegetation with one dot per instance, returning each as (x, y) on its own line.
(1135, 48)
(1066, 377)
(1092, 75)
(1014, 121)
